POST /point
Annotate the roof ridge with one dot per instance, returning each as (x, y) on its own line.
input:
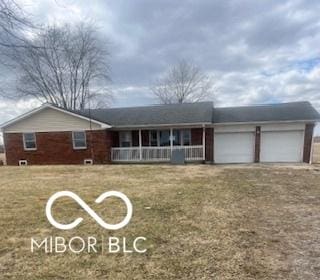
(153, 105)
(263, 105)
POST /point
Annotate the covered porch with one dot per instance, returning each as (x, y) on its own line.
(157, 145)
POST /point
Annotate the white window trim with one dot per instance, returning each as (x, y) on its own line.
(88, 161)
(23, 162)
(85, 139)
(24, 141)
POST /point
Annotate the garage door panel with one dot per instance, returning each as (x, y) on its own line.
(234, 147)
(281, 146)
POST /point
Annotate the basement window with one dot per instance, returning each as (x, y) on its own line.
(23, 162)
(79, 140)
(29, 141)
(88, 161)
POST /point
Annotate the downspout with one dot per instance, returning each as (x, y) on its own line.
(312, 146)
(204, 142)
(4, 146)
(90, 125)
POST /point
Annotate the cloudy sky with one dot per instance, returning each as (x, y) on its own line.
(257, 51)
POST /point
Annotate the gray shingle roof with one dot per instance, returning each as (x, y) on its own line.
(187, 113)
(202, 112)
(293, 111)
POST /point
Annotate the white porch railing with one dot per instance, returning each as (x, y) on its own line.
(132, 154)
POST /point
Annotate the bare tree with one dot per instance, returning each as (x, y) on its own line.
(13, 24)
(68, 67)
(182, 83)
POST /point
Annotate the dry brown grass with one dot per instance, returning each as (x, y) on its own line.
(205, 222)
(316, 153)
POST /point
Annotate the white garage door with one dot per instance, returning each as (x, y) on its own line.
(281, 146)
(234, 147)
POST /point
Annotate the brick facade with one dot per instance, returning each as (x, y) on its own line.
(196, 136)
(307, 147)
(209, 144)
(57, 148)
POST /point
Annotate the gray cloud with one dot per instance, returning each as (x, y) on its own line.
(258, 51)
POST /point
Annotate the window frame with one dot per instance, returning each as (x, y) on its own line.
(181, 133)
(25, 141)
(157, 135)
(176, 142)
(186, 132)
(123, 132)
(162, 133)
(74, 139)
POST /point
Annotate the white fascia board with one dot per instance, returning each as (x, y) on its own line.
(264, 122)
(44, 106)
(174, 125)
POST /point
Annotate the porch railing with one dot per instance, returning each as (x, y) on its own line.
(135, 154)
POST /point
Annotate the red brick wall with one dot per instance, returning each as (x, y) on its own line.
(57, 148)
(196, 136)
(115, 139)
(308, 134)
(209, 144)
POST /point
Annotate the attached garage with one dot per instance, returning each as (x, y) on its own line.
(282, 146)
(264, 133)
(234, 147)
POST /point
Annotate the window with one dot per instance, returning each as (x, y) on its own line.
(153, 136)
(29, 141)
(125, 139)
(88, 161)
(176, 137)
(164, 136)
(186, 140)
(79, 140)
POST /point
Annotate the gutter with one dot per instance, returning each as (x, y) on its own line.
(265, 122)
(160, 125)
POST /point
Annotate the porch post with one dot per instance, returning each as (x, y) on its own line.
(140, 144)
(171, 140)
(203, 143)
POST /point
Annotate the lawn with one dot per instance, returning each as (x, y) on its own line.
(200, 221)
(316, 153)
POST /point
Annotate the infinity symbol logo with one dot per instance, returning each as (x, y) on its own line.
(87, 208)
